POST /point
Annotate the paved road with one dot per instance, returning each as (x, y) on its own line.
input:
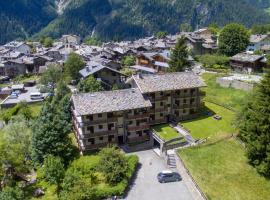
(146, 186)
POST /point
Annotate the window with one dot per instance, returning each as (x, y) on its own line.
(161, 103)
(185, 91)
(90, 117)
(139, 133)
(91, 140)
(99, 115)
(161, 93)
(184, 101)
(110, 115)
(100, 126)
(130, 122)
(161, 115)
(128, 133)
(184, 111)
(178, 92)
(100, 138)
(90, 128)
(110, 138)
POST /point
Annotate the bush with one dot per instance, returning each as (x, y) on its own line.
(53, 169)
(113, 165)
(214, 61)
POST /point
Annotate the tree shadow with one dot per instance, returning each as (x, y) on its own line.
(132, 180)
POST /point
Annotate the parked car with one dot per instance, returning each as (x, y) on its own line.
(168, 176)
(13, 96)
(217, 117)
(36, 96)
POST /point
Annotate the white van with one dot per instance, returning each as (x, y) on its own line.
(36, 96)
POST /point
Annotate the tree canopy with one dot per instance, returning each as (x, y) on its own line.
(51, 75)
(72, 67)
(89, 84)
(254, 126)
(179, 56)
(233, 39)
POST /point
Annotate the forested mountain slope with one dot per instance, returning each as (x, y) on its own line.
(121, 19)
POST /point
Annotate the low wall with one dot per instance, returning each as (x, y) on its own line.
(240, 85)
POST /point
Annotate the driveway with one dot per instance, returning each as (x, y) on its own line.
(146, 186)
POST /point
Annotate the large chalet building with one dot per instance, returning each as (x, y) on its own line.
(125, 116)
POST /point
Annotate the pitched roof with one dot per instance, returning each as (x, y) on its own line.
(257, 38)
(109, 101)
(245, 57)
(167, 82)
(93, 67)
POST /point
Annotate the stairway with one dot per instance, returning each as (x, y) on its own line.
(171, 162)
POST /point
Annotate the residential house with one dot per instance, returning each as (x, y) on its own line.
(126, 116)
(157, 61)
(259, 42)
(106, 75)
(247, 63)
(18, 46)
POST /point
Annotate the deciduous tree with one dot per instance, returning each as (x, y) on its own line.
(233, 39)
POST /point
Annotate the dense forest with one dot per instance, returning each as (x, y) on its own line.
(121, 19)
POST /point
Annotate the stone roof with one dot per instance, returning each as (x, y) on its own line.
(109, 101)
(167, 82)
(245, 57)
(257, 38)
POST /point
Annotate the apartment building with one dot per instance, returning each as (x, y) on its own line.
(126, 116)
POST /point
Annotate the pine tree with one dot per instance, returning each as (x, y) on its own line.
(50, 136)
(254, 125)
(179, 57)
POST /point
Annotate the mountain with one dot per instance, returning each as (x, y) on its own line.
(22, 18)
(121, 19)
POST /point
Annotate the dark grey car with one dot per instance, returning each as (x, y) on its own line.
(168, 176)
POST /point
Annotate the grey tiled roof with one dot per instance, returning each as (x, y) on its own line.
(109, 101)
(168, 82)
(245, 57)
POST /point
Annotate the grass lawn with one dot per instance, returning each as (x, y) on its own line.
(206, 126)
(166, 132)
(222, 172)
(35, 108)
(225, 96)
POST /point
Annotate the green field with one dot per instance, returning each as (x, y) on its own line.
(222, 172)
(166, 132)
(228, 97)
(220, 166)
(207, 126)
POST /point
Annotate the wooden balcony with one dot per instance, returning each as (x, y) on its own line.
(138, 116)
(162, 109)
(97, 134)
(138, 128)
(101, 121)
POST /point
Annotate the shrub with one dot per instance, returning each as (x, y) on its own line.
(113, 165)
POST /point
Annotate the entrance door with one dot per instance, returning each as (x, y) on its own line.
(120, 140)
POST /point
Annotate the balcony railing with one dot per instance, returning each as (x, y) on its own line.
(184, 106)
(99, 121)
(97, 134)
(138, 128)
(138, 116)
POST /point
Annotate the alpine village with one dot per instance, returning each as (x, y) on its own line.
(135, 100)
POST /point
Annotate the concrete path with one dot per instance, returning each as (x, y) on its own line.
(184, 133)
(146, 185)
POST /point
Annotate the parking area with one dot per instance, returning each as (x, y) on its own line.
(24, 96)
(146, 185)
